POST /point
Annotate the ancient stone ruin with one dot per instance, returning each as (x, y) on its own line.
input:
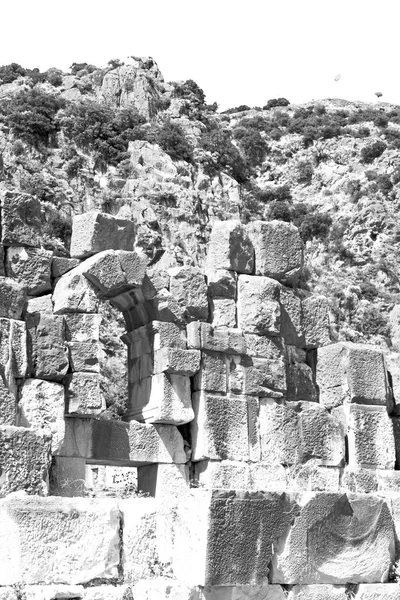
(255, 458)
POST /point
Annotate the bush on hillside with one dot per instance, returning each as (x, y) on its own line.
(224, 155)
(276, 102)
(172, 140)
(281, 193)
(253, 146)
(315, 225)
(279, 210)
(369, 153)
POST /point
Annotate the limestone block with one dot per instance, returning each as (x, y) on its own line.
(316, 323)
(396, 434)
(230, 248)
(220, 427)
(300, 383)
(188, 286)
(322, 434)
(225, 538)
(83, 394)
(8, 593)
(258, 309)
(74, 293)
(378, 591)
(318, 592)
(41, 406)
(218, 339)
(392, 360)
(68, 477)
(24, 460)
(134, 265)
(266, 477)
(154, 281)
(258, 376)
(94, 232)
(31, 267)
(162, 398)
(333, 541)
(359, 481)
(162, 481)
(120, 443)
(111, 480)
(212, 376)
(107, 592)
(153, 337)
(243, 592)
(61, 265)
(225, 474)
(311, 477)
(12, 298)
(2, 272)
(222, 284)
(164, 588)
(349, 372)
(263, 346)
(53, 592)
(370, 436)
(82, 327)
(42, 304)
(48, 352)
(165, 360)
(278, 250)
(165, 307)
(20, 219)
(280, 433)
(13, 352)
(8, 405)
(104, 271)
(223, 312)
(84, 356)
(64, 540)
(291, 317)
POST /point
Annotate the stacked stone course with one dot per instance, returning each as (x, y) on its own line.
(266, 452)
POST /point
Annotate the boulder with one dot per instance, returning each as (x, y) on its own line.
(31, 267)
(258, 309)
(278, 250)
(94, 232)
(230, 248)
(20, 219)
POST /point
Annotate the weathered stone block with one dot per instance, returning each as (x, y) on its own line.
(322, 434)
(291, 317)
(42, 304)
(318, 592)
(230, 248)
(31, 267)
(162, 398)
(53, 592)
(225, 475)
(120, 443)
(222, 284)
(8, 405)
(311, 477)
(300, 383)
(20, 219)
(165, 360)
(217, 339)
(82, 327)
(74, 293)
(154, 281)
(258, 309)
(257, 376)
(316, 323)
(212, 376)
(223, 312)
(278, 250)
(164, 481)
(162, 588)
(332, 541)
(68, 477)
(61, 265)
(349, 372)
(104, 271)
(25, 460)
(42, 406)
(83, 394)
(378, 591)
(94, 232)
(107, 592)
(86, 531)
(280, 433)
(188, 286)
(12, 298)
(134, 266)
(152, 337)
(84, 356)
(243, 592)
(48, 352)
(220, 427)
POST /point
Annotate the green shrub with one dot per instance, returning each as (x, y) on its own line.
(281, 193)
(305, 171)
(236, 109)
(172, 139)
(279, 210)
(9, 73)
(225, 156)
(253, 146)
(276, 102)
(54, 77)
(189, 90)
(381, 120)
(315, 225)
(369, 153)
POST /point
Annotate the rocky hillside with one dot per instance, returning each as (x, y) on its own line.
(122, 140)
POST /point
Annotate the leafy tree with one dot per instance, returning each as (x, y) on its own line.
(172, 139)
(276, 102)
(253, 146)
(11, 72)
(369, 153)
(225, 156)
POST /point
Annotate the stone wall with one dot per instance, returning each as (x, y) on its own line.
(257, 457)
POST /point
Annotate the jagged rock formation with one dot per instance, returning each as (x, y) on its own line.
(189, 408)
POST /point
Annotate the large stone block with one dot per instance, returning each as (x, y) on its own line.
(58, 540)
(162, 398)
(291, 317)
(24, 460)
(257, 376)
(318, 592)
(212, 376)
(222, 284)
(217, 339)
(165, 360)
(279, 433)
(82, 327)
(41, 304)
(42, 406)
(311, 477)
(74, 293)
(61, 265)
(338, 539)
(31, 267)
(278, 250)
(258, 309)
(188, 287)
(349, 372)
(223, 312)
(225, 538)
(68, 477)
(84, 395)
(120, 443)
(107, 592)
(316, 322)
(8, 404)
(164, 588)
(12, 298)
(104, 271)
(48, 352)
(20, 219)
(220, 427)
(84, 356)
(53, 592)
(322, 434)
(163, 481)
(230, 248)
(152, 337)
(13, 351)
(94, 232)
(300, 382)
(378, 591)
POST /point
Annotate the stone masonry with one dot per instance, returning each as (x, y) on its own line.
(254, 456)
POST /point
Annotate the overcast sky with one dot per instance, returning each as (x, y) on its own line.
(239, 52)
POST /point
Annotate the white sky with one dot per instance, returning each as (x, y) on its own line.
(238, 52)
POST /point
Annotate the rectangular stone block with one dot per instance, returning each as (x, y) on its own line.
(48, 352)
(94, 232)
(73, 293)
(280, 433)
(222, 339)
(84, 356)
(243, 592)
(311, 477)
(109, 480)
(300, 380)
(318, 592)
(332, 541)
(82, 327)
(291, 317)
(163, 587)
(53, 592)
(87, 535)
(316, 322)
(21, 223)
(220, 427)
(84, 394)
(13, 350)
(222, 283)
(258, 309)
(230, 248)
(8, 405)
(122, 444)
(212, 376)
(378, 591)
(107, 592)
(257, 376)
(68, 477)
(188, 286)
(167, 360)
(349, 372)
(31, 267)
(154, 336)
(25, 461)
(41, 304)
(162, 398)
(223, 312)
(12, 298)
(61, 265)
(226, 475)
(164, 481)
